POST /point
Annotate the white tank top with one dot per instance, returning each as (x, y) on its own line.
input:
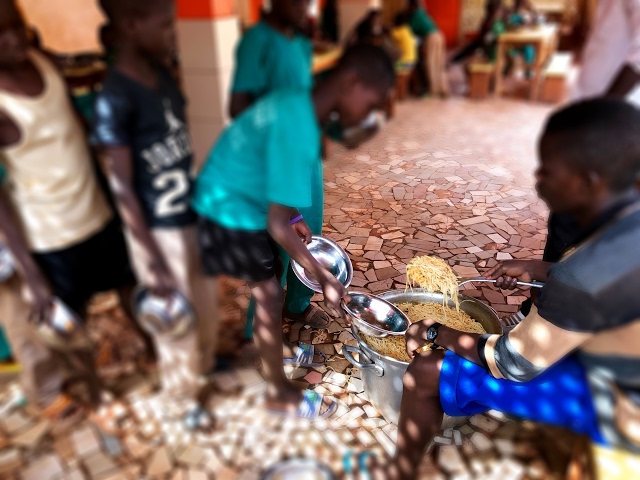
(51, 180)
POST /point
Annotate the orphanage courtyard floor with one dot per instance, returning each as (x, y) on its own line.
(449, 178)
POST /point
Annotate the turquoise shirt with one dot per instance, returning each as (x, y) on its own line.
(267, 60)
(269, 154)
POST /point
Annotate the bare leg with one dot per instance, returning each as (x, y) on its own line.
(267, 333)
(267, 328)
(420, 417)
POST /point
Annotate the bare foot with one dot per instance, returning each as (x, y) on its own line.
(288, 399)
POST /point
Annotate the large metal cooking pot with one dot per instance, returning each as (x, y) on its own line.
(381, 375)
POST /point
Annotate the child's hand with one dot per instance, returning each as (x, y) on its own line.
(39, 295)
(303, 231)
(416, 336)
(161, 281)
(334, 292)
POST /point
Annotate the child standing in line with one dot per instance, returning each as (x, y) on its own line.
(273, 55)
(432, 48)
(145, 148)
(406, 43)
(54, 219)
(259, 171)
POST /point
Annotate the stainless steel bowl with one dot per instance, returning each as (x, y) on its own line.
(374, 316)
(6, 263)
(170, 316)
(62, 328)
(332, 257)
(298, 469)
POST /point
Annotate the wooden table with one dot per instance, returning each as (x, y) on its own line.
(543, 37)
(326, 60)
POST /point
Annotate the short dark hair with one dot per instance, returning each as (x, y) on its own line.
(372, 64)
(116, 10)
(600, 135)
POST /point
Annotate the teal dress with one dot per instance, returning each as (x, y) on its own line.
(267, 61)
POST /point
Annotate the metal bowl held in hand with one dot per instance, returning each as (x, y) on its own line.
(381, 375)
(375, 316)
(332, 257)
(62, 329)
(170, 316)
(6, 263)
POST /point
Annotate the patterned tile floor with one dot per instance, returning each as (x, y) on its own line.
(452, 179)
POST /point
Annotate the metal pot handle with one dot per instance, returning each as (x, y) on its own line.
(348, 352)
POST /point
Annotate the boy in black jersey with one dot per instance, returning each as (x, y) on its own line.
(146, 150)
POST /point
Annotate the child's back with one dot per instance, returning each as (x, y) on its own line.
(278, 136)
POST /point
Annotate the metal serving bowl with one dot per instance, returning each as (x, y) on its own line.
(332, 257)
(374, 316)
(170, 316)
(6, 263)
(62, 328)
(298, 469)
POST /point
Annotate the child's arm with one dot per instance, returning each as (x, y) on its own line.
(116, 162)
(39, 292)
(280, 230)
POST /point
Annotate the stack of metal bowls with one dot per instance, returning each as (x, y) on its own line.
(171, 316)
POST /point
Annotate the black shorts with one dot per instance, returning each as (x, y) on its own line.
(98, 264)
(243, 254)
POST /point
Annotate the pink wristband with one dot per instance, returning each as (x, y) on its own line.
(295, 220)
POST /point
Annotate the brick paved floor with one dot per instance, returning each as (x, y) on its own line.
(446, 178)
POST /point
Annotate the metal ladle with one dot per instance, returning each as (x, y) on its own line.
(533, 284)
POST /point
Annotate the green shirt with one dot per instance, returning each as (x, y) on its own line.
(269, 154)
(421, 23)
(267, 60)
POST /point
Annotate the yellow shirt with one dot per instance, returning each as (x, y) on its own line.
(403, 36)
(50, 178)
